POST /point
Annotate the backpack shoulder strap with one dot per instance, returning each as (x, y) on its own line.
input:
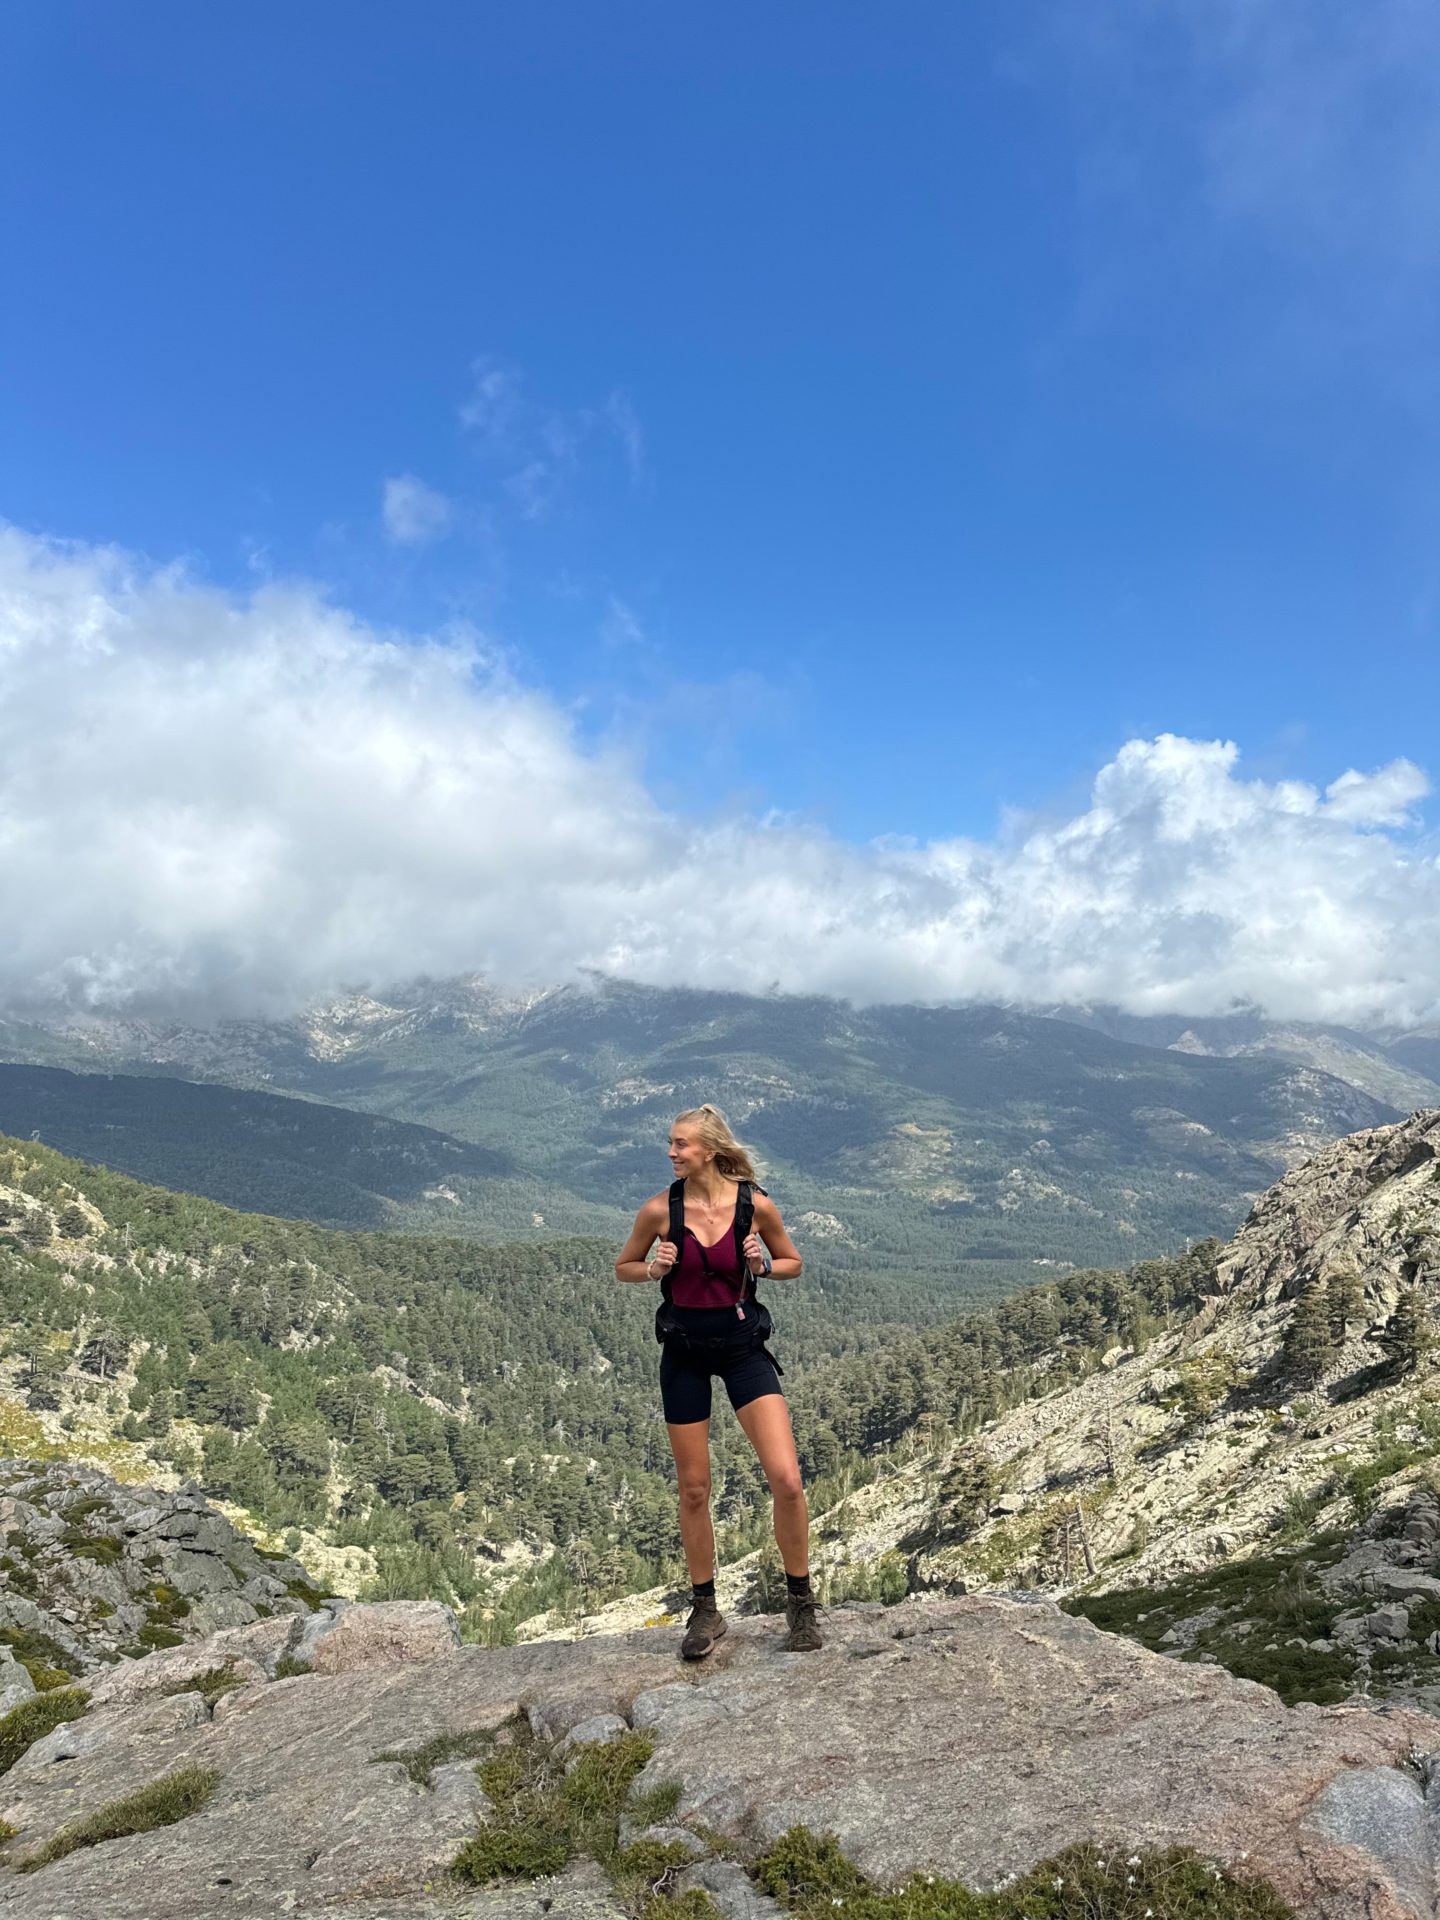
(744, 1223)
(676, 1232)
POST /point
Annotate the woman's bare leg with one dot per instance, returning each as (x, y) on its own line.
(767, 1425)
(690, 1445)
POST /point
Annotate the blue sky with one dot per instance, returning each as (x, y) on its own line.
(880, 418)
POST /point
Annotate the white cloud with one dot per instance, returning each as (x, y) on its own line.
(536, 450)
(414, 514)
(223, 805)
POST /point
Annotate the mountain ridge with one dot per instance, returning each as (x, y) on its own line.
(977, 1141)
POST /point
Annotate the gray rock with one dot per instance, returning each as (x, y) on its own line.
(732, 1890)
(252, 1651)
(1184, 1633)
(15, 1683)
(1388, 1623)
(1401, 1583)
(17, 1611)
(1381, 1812)
(597, 1729)
(77, 1739)
(217, 1611)
(195, 1574)
(387, 1633)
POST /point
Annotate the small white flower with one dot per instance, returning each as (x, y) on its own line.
(1057, 1883)
(1133, 1861)
(836, 1901)
(1129, 1879)
(929, 1879)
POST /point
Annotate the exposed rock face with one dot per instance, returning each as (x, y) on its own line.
(360, 1638)
(1339, 1209)
(969, 1737)
(99, 1569)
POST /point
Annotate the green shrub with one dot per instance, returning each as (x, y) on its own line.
(652, 1859)
(287, 1667)
(420, 1762)
(171, 1798)
(543, 1813)
(654, 1808)
(33, 1718)
(302, 1590)
(693, 1904)
(40, 1656)
(809, 1875)
(510, 1853)
(155, 1634)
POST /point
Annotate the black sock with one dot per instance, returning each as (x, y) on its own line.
(797, 1583)
(703, 1589)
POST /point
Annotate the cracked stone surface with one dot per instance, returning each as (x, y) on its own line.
(970, 1737)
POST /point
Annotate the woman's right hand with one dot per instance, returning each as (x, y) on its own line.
(662, 1260)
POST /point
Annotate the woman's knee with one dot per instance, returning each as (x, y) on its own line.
(695, 1495)
(786, 1484)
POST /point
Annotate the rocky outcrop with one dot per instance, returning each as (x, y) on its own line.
(1362, 1204)
(91, 1570)
(967, 1737)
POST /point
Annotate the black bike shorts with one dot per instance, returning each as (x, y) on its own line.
(685, 1374)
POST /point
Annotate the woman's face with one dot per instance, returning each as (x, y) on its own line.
(688, 1154)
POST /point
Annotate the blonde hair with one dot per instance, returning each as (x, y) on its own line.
(731, 1158)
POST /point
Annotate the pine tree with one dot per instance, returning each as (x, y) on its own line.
(73, 1224)
(1407, 1335)
(1344, 1298)
(1309, 1344)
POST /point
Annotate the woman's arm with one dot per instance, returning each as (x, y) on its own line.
(652, 1219)
(770, 1237)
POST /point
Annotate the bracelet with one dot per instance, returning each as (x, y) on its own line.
(648, 1274)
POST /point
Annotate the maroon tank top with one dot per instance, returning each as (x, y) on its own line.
(692, 1286)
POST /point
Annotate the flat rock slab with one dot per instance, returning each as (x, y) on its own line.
(968, 1737)
(304, 1817)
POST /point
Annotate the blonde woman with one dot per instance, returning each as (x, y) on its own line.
(719, 1232)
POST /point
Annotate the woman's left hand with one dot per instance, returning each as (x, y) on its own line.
(755, 1254)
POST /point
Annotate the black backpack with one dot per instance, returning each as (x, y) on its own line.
(668, 1325)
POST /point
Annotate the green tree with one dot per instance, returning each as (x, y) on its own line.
(1407, 1335)
(73, 1224)
(219, 1393)
(1345, 1299)
(36, 1230)
(299, 1449)
(104, 1353)
(43, 1374)
(1309, 1344)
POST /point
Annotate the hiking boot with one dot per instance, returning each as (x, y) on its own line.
(804, 1634)
(705, 1626)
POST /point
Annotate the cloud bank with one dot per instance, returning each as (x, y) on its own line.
(211, 806)
(413, 514)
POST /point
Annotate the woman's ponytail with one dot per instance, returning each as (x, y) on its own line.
(732, 1160)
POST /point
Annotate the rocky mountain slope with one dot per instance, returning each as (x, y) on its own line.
(92, 1570)
(946, 1746)
(964, 1147)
